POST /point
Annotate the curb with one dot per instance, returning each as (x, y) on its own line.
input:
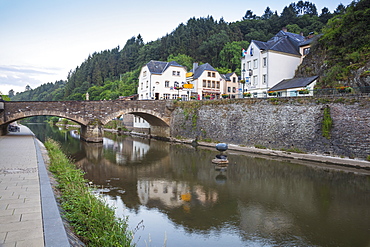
(54, 231)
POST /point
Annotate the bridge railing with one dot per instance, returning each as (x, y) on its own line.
(326, 92)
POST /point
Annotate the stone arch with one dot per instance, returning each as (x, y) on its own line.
(27, 114)
(152, 117)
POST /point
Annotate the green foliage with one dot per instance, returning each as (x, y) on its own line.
(231, 53)
(54, 119)
(346, 41)
(45, 92)
(260, 146)
(5, 97)
(92, 220)
(182, 59)
(203, 40)
(327, 123)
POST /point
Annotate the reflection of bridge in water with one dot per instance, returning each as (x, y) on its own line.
(91, 115)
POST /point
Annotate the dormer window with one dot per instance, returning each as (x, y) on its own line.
(306, 51)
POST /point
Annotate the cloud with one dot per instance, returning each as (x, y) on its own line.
(18, 77)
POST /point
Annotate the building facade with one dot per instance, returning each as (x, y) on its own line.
(162, 80)
(231, 85)
(265, 64)
(207, 82)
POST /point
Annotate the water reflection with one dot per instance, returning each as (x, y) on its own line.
(184, 201)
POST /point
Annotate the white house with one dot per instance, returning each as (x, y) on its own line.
(294, 87)
(206, 81)
(161, 80)
(265, 64)
(230, 84)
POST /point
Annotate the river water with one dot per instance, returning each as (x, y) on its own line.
(174, 196)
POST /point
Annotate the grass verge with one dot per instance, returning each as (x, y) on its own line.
(92, 219)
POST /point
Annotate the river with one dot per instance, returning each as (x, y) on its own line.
(174, 196)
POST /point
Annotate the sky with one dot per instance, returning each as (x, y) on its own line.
(42, 40)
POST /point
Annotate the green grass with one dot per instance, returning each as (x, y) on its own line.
(260, 146)
(327, 123)
(92, 219)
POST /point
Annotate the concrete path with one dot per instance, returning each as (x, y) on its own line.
(29, 215)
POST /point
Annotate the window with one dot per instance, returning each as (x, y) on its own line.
(174, 96)
(243, 66)
(264, 61)
(209, 84)
(264, 79)
(234, 89)
(204, 83)
(255, 80)
(146, 84)
(213, 74)
(213, 84)
(306, 51)
(166, 96)
(217, 84)
(142, 85)
(249, 65)
(234, 79)
(228, 89)
(255, 63)
(178, 73)
(144, 73)
(209, 74)
(167, 84)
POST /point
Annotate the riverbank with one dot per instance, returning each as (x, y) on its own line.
(326, 161)
(92, 219)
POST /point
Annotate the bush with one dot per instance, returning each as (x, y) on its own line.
(92, 220)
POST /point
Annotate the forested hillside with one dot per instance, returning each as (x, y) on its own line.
(342, 55)
(111, 73)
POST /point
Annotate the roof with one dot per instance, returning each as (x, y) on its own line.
(200, 69)
(284, 42)
(293, 83)
(227, 76)
(158, 67)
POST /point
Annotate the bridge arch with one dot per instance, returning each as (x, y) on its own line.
(152, 117)
(22, 115)
(92, 115)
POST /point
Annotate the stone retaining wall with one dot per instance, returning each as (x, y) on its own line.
(278, 124)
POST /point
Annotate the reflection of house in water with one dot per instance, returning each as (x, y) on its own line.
(126, 150)
(173, 194)
(139, 149)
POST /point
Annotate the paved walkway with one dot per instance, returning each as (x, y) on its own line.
(29, 214)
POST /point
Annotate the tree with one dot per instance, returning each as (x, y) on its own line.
(182, 59)
(249, 15)
(11, 93)
(28, 88)
(231, 53)
(340, 9)
(267, 15)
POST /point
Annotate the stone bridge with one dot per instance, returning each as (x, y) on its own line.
(91, 115)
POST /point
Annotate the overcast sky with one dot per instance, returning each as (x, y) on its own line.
(42, 40)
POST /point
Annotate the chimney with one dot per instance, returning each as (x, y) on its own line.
(195, 66)
(284, 29)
